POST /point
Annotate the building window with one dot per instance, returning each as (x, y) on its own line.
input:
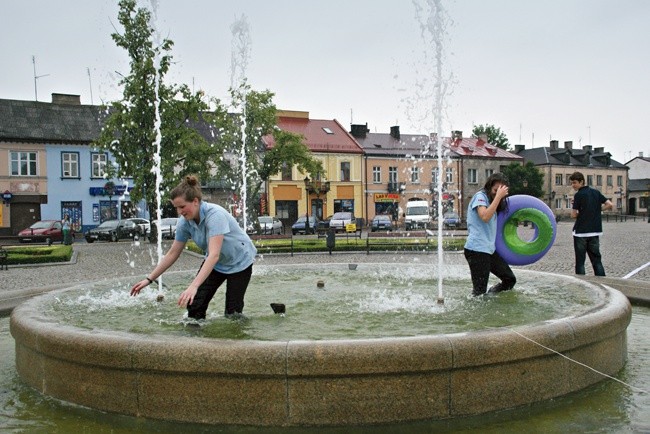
(449, 175)
(590, 180)
(98, 163)
(567, 203)
(558, 203)
(286, 172)
(643, 202)
(344, 205)
(619, 203)
(599, 179)
(488, 173)
(23, 163)
(392, 175)
(376, 174)
(472, 176)
(568, 180)
(558, 179)
(610, 181)
(70, 164)
(415, 175)
(345, 171)
(434, 176)
(619, 181)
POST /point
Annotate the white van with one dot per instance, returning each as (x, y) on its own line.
(418, 215)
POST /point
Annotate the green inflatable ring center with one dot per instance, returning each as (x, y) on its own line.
(533, 247)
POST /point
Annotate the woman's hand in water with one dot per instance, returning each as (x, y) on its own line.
(135, 289)
(187, 296)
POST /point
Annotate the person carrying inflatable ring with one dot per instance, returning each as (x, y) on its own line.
(480, 247)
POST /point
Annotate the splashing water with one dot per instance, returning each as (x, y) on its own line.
(433, 21)
(241, 43)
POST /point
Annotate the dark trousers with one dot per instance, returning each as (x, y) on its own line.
(236, 286)
(482, 264)
(584, 246)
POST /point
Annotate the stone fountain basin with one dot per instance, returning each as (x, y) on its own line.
(325, 382)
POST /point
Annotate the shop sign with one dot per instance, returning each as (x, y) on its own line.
(386, 197)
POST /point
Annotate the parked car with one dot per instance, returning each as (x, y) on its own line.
(143, 224)
(46, 231)
(340, 220)
(113, 230)
(381, 222)
(269, 225)
(450, 219)
(167, 228)
(299, 226)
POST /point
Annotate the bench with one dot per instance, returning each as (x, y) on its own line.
(407, 241)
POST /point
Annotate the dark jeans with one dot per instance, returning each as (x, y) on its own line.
(236, 286)
(588, 246)
(482, 264)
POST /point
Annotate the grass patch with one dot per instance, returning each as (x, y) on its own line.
(38, 255)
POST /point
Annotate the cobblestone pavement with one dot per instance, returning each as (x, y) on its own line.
(625, 247)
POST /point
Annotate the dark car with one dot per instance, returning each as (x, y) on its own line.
(381, 223)
(299, 226)
(46, 231)
(113, 230)
(145, 226)
(450, 220)
(167, 228)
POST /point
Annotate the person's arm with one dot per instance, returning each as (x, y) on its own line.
(214, 247)
(486, 213)
(167, 261)
(608, 205)
(574, 213)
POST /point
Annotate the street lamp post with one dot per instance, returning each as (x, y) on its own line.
(307, 205)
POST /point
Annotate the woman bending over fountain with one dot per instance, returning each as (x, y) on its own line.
(480, 247)
(229, 252)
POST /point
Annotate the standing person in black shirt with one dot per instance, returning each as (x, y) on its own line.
(587, 206)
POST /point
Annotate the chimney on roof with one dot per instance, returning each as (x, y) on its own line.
(456, 135)
(554, 145)
(599, 150)
(394, 132)
(483, 137)
(62, 98)
(586, 148)
(519, 148)
(359, 131)
(568, 144)
(641, 154)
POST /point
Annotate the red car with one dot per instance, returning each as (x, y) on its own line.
(46, 231)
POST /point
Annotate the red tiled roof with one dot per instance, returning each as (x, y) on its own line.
(478, 148)
(316, 137)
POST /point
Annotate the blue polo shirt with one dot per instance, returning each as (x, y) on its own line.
(481, 236)
(237, 250)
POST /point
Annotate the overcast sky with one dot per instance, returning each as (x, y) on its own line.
(567, 70)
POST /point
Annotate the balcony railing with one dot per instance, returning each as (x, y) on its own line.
(318, 187)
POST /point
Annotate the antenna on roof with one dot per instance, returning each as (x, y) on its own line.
(36, 77)
(90, 83)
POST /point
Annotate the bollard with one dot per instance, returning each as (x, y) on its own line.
(331, 240)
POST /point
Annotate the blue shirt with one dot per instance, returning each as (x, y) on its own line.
(237, 250)
(481, 236)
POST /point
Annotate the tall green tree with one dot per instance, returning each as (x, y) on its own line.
(494, 134)
(241, 124)
(130, 129)
(526, 179)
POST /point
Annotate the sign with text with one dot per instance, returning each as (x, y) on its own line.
(386, 197)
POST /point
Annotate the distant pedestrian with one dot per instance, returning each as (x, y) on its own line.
(66, 229)
(587, 206)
